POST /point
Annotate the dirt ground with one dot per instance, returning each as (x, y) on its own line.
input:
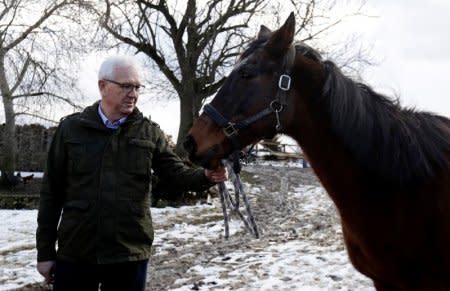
(276, 224)
(275, 215)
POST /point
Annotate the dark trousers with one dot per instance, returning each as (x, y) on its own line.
(128, 276)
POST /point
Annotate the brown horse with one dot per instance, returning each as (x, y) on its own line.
(386, 168)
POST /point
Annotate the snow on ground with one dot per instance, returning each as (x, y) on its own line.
(298, 254)
(288, 263)
(24, 174)
(17, 248)
(293, 265)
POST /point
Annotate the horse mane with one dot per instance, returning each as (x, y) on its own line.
(307, 51)
(252, 47)
(400, 146)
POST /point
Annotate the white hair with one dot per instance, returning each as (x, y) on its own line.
(109, 66)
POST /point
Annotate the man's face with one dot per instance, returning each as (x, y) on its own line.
(119, 94)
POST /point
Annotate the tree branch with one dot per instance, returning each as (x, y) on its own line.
(47, 13)
(27, 113)
(22, 73)
(50, 94)
(145, 47)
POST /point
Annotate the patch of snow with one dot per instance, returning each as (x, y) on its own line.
(18, 248)
(24, 174)
(306, 259)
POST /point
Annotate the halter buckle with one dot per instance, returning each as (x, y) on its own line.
(284, 83)
(276, 106)
(230, 130)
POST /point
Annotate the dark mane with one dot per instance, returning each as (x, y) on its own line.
(307, 51)
(398, 145)
(252, 47)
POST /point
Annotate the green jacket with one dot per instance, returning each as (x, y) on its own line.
(98, 181)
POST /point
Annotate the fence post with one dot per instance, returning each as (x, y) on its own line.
(304, 163)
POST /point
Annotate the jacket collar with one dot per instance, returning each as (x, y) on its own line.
(89, 117)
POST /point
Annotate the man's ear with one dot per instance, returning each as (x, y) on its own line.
(282, 39)
(101, 84)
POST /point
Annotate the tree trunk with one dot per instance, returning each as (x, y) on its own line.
(8, 163)
(190, 104)
(8, 140)
(186, 122)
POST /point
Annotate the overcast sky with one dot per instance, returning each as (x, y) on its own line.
(410, 42)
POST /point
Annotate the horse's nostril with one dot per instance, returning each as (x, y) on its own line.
(189, 144)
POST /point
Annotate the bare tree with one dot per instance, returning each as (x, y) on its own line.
(194, 43)
(37, 44)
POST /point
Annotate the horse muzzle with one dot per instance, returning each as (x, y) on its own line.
(190, 146)
(205, 160)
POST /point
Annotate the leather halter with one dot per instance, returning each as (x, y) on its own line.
(231, 129)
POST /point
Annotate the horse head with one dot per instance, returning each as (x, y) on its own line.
(256, 101)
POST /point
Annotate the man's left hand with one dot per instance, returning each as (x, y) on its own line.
(218, 175)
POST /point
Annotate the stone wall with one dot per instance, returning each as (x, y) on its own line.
(33, 142)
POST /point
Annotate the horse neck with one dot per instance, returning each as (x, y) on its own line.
(310, 127)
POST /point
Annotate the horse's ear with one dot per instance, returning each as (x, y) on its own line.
(282, 39)
(264, 32)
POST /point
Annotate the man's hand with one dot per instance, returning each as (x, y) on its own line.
(218, 175)
(47, 269)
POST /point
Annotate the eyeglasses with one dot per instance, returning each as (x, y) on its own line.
(127, 87)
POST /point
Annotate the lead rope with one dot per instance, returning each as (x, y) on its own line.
(230, 205)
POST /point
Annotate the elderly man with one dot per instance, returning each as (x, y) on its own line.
(97, 187)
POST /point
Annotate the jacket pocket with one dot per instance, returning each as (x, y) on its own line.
(81, 159)
(139, 155)
(142, 143)
(134, 226)
(82, 205)
(73, 224)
